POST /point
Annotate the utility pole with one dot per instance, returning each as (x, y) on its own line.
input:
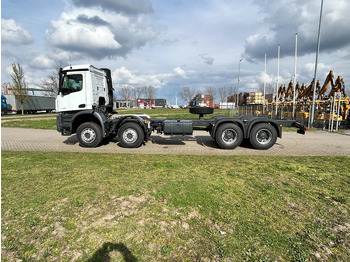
(311, 120)
(295, 71)
(239, 79)
(264, 87)
(278, 76)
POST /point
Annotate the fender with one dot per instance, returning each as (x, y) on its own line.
(136, 119)
(91, 114)
(257, 120)
(224, 120)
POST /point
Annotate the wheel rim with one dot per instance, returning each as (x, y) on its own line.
(130, 135)
(263, 136)
(229, 136)
(88, 135)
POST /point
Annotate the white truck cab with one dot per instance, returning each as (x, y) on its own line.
(82, 87)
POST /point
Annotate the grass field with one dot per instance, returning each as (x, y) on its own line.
(109, 207)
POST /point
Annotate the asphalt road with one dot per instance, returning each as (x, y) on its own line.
(200, 143)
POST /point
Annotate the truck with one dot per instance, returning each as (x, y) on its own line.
(33, 105)
(3, 105)
(85, 108)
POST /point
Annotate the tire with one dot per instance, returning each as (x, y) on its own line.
(201, 110)
(263, 136)
(89, 134)
(131, 135)
(229, 136)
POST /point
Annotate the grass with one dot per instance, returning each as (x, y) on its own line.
(31, 123)
(95, 207)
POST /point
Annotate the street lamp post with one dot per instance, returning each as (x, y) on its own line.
(311, 118)
(239, 79)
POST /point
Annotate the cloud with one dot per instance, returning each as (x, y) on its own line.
(95, 20)
(206, 59)
(90, 40)
(179, 71)
(42, 61)
(83, 30)
(119, 6)
(14, 34)
(284, 18)
(122, 76)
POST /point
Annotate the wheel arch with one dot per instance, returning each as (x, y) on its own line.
(135, 119)
(266, 121)
(225, 120)
(88, 116)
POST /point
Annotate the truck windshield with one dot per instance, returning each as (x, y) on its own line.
(72, 83)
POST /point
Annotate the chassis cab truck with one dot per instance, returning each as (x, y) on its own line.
(85, 108)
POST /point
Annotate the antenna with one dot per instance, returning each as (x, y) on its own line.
(70, 62)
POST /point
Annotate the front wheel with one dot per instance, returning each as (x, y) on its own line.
(229, 136)
(89, 134)
(131, 135)
(263, 136)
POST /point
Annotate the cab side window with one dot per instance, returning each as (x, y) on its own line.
(73, 83)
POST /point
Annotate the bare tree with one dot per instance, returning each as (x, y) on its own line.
(187, 93)
(19, 86)
(211, 91)
(51, 82)
(134, 92)
(231, 90)
(139, 92)
(125, 92)
(149, 92)
(143, 90)
(223, 93)
(269, 89)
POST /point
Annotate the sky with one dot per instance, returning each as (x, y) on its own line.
(175, 43)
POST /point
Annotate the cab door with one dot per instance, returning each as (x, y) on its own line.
(72, 93)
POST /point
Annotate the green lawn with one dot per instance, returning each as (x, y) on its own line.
(111, 207)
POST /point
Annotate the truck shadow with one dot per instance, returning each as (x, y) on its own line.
(72, 140)
(103, 253)
(171, 140)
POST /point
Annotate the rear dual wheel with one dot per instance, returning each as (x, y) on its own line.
(263, 136)
(131, 135)
(229, 136)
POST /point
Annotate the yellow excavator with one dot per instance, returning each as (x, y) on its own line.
(329, 80)
(297, 89)
(289, 90)
(301, 91)
(339, 86)
(281, 92)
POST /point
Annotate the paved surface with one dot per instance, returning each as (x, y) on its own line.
(292, 144)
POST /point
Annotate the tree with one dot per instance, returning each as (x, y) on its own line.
(19, 86)
(269, 89)
(51, 83)
(211, 91)
(223, 93)
(139, 92)
(149, 92)
(125, 92)
(187, 93)
(231, 90)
